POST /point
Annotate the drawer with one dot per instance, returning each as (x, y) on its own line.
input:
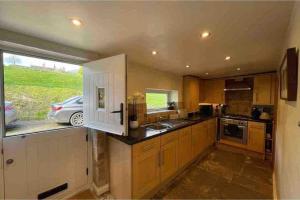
(148, 146)
(256, 125)
(169, 137)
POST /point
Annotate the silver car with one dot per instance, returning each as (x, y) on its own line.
(10, 113)
(69, 111)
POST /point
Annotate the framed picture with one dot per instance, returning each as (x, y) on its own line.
(101, 98)
(289, 75)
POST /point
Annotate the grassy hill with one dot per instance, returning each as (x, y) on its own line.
(32, 91)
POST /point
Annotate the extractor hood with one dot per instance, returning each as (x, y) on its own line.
(239, 84)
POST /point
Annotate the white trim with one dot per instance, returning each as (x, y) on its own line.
(100, 190)
(275, 192)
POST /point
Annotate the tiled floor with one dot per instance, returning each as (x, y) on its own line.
(222, 174)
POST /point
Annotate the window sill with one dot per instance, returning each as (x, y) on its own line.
(160, 111)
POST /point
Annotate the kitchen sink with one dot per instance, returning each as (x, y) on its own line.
(157, 126)
(174, 123)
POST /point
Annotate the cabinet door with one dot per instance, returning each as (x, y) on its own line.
(191, 93)
(169, 159)
(211, 131)
(145, 169)
(263, 90)
(199, 138)
(256, 137)
(184, 146)
(214, 91)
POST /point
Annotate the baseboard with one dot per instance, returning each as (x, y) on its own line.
(100, 190)
(275, 192)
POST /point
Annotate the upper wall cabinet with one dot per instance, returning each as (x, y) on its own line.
(214, 91)
(264, 90)
(191, 93)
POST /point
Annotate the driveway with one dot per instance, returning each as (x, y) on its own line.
(25, 127)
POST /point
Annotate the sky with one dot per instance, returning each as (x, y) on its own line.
(10, 59)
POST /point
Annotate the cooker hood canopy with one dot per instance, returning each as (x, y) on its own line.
(239, 84)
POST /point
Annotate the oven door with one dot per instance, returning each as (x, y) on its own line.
(234, 133)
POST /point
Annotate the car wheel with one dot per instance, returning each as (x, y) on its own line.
(77, 119)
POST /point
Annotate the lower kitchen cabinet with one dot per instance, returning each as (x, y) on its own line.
(211, 130)
(168, 158)
(138, 170)
(184, 146)
(256, 137)
(145, 167)
(199, 138)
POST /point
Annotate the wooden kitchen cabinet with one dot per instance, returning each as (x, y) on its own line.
(169, 158)
(137, 171)
(145, 167)
(264, 90)
(184, 146)
(199, 138)
(191, 93)
(256, 137)
(211, 130)
(214, 91)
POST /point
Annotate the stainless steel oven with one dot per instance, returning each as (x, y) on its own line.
(234, 130)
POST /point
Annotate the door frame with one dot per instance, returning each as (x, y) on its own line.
(2, 125)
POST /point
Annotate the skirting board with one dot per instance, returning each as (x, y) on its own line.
(100, 190)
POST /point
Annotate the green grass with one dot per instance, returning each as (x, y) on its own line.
(156, 100)
(33, 91)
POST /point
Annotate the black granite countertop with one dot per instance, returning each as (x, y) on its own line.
(141, 134)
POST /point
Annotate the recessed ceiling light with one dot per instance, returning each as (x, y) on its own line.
(238, 69)
(227, 58)
(206, 73)
(76, 22)
(154, 52)
(187, 66)
(205, 34)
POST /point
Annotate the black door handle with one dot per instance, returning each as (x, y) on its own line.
(121, 113)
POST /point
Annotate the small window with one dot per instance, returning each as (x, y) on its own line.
(157, 100)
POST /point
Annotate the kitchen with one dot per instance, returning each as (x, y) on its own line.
(201, 110)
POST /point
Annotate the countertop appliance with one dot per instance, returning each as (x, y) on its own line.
(206, 109)
(235, 130)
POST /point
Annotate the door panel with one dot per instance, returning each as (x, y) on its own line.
(104, 91)
(43, 161)
(1, 172)
(169, 162)
(184, 146)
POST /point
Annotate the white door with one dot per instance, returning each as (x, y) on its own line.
(37, 163)
(104, 94)
(1, 173)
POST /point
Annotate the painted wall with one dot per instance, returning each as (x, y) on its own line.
(287, 161)
(141, 77)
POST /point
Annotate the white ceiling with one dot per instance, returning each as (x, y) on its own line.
(252, 33)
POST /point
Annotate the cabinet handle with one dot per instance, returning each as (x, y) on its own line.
(10, 161)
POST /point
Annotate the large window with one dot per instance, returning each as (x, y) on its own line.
(40, 94)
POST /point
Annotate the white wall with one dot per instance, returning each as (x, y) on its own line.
(287, 161)
(141, 77)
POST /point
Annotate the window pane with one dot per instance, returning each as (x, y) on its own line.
(156, 100)
(40, 94)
